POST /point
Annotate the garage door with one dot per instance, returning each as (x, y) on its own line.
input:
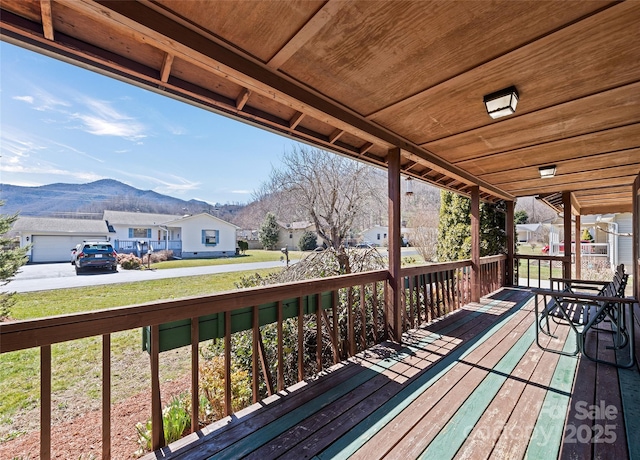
(47, 248)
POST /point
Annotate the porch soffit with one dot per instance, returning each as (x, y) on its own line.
(362, 77)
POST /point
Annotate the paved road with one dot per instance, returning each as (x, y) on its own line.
(42, 277)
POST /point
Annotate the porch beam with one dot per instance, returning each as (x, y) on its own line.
(510, 230)
(393, 304)
(578, 248)
(475, 244)
(566, 263)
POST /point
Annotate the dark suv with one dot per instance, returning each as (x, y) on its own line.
(96, 254)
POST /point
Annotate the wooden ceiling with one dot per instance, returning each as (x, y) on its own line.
(363, 77)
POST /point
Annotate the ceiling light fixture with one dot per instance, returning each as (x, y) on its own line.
(502, 103)
(547, 171)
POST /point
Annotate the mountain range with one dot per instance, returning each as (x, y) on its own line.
(66, 200)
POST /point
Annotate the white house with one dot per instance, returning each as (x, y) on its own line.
(196, 236)
(612, 238)
(190, 236)
(378, 235)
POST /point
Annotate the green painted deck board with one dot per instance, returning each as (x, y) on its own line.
(454, 433)
(547, 434)
(270, 431)
(355, 438)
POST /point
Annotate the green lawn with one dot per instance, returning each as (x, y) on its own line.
(77, 364)
(256, 255)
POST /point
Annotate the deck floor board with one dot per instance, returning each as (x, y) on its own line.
(471, 385)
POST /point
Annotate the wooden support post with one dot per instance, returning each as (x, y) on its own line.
(394, 302)
(511, 245)
(106, 396)
(45, 402)
(157, 430)
(566, 264)
(578, 249)
(195, 372)
(475, 244)
(635, 218)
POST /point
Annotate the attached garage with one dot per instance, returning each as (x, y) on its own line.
(52, 239)
(57, 248)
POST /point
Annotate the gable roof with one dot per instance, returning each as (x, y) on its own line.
(205, 214)
(138, 218)
(299, 225)
(59, 225)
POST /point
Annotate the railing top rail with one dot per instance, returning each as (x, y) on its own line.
(434, 268)
(536, 257)
(492, 259)
(20, 335)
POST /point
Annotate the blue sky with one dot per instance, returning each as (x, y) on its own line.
(61, 123)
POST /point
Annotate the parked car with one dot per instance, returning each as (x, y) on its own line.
(365, 244)
(75, 251)
(95, 254)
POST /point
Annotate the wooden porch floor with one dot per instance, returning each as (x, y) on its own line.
(471, 385)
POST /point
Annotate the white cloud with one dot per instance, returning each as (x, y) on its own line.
(242, 192)
(102, 119)
(28, 99)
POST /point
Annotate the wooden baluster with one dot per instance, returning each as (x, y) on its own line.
(157, 431)
(195, 372)
(280, 377)
(106, 396)
(228, 409)
(351, 323)
(363, 318)
(45, 402)
(255, 348)
(300, 340)
(318, 333)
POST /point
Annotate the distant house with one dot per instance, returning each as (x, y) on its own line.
(611, 234)
(378, 235)
(527, 232)
(290, 233)
(189, 236)
(52, 239)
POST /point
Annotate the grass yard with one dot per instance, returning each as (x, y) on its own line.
(255, 255)
(76, 365)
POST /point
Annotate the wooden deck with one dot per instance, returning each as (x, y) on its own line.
(472, 385)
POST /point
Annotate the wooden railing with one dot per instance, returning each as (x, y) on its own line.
(347, 312)
(535, 271)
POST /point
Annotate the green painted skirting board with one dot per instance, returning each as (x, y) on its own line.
(366, 429)
(272, 430)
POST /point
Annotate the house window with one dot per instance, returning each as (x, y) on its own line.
(139, 233)
(378, 235)
(210, 237)
(290, 235)
(385, 236)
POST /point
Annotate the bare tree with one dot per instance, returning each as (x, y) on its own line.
(329, 190)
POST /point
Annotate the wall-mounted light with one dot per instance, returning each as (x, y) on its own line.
(502, 103)
(547, 171)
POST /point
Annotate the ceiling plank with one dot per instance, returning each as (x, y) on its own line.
(606, 110)
(585, 145)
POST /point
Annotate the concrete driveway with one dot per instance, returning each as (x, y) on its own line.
(42, 277)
